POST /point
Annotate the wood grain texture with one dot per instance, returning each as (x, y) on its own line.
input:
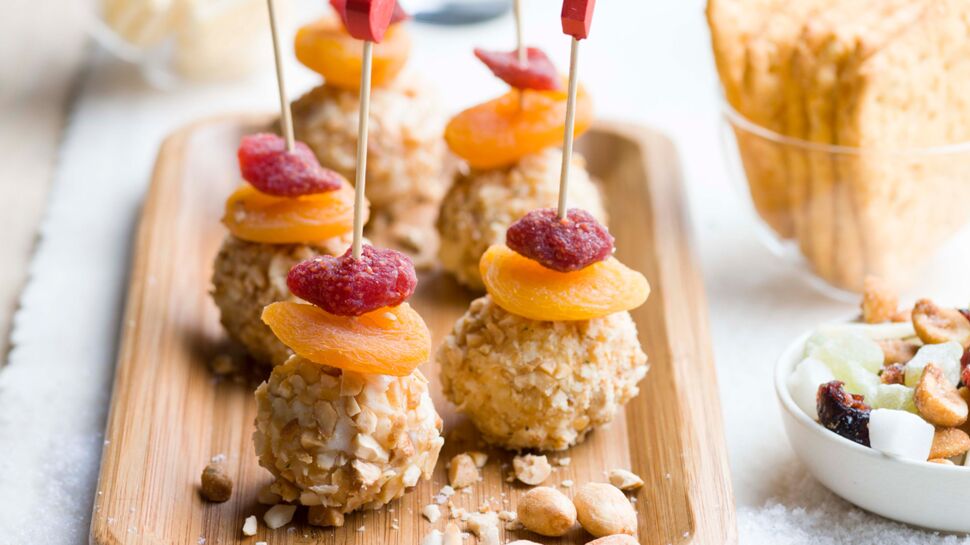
(169, 414)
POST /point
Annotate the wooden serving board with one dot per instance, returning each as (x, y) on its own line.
(170, 414)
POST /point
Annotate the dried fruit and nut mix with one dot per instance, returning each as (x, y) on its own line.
(896, 386)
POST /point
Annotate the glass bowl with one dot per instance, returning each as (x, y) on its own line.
(175, 40)
(844, 213)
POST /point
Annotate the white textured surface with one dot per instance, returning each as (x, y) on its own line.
(647, 62)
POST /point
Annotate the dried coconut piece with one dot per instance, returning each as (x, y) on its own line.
(268, 166)
(561, 244)
(348, 286)
(279, 515)
(463, 472)
(624, 479)
(531, 469)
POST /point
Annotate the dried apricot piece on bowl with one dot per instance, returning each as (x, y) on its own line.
(350, 286)
(258, 217)
(388, 341)
(501, 131)
(326, 47)
(526, 288)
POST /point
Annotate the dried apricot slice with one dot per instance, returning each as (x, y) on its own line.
(501, 131)
(526, 288)
(388, 341)
(258, 217)
(326, 47)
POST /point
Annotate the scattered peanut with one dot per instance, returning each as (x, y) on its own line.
(531, 469)
(903, 315)
(546, 511)
(615, 539)
(624, 480)
(603, 510)
(250, 525)
(462, 471)
(279, 515)
(939, 325)
(485, 526)
(879, 301)
(319, 515)
(949, 442)
(897, 350)
(937, 399)
(216, 484)
(522, 542)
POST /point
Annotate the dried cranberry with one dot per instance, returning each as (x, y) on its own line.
(537, 72)
(350, 287)
(266, 164)
(562, 245)
(844, 413)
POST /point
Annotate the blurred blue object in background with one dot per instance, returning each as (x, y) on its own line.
(456, 12)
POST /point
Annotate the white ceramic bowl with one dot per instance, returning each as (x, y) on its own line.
(919, 493)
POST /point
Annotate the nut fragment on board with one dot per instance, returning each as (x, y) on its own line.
(452, 535)
(485, 526)
(546, 511)
(531, 469)
(319, 515)
(434, 537)
(624, 479)
(463, 472)
(431, 512)
(250, 525)
(603, 510)
(479, 457)
(216, 484)
(279, 515)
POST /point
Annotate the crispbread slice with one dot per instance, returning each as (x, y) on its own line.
(765, 102)
(732, 22)
(911, 92)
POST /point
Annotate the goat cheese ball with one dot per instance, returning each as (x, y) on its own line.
(341, 440)
(529, 384)
(247, 276)
(482, 204)
(405, 149)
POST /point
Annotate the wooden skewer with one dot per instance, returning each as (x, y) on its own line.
(286, 117)
(361, 175)
(567, 141)
(519, 41)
